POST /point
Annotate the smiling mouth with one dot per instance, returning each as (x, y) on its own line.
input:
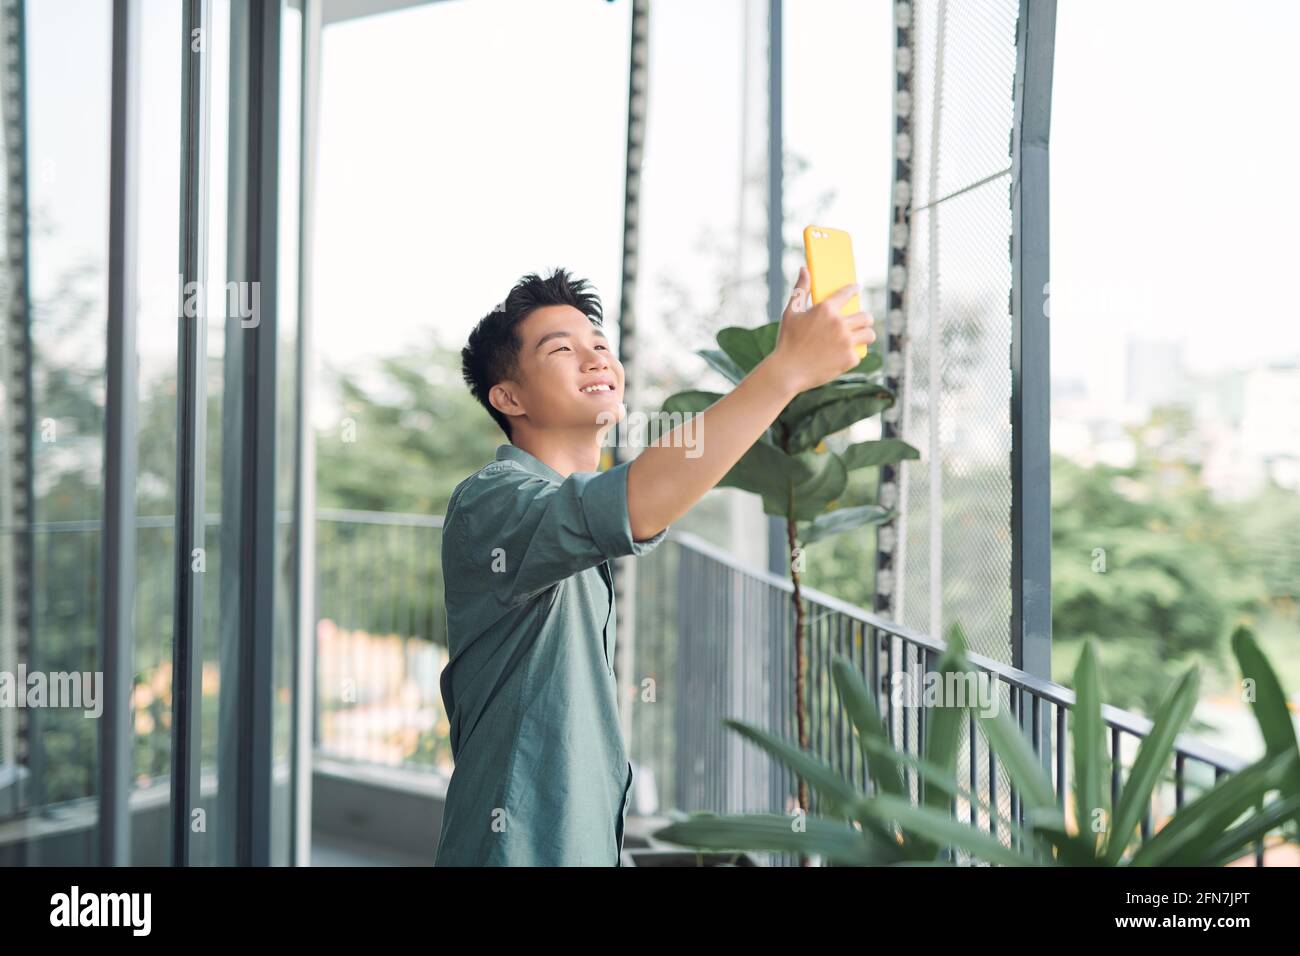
(596, 389)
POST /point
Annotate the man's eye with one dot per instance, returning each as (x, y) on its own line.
(561, 347)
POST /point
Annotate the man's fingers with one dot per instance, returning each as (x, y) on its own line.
(799, 297)
(861, 325)
(842, 295)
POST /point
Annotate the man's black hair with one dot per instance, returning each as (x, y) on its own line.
(492, 354)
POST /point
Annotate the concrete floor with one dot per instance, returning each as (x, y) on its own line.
(328, 850)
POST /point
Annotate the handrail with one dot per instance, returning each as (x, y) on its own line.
(1047, 690)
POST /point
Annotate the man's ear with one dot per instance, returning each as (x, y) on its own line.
(505, 399)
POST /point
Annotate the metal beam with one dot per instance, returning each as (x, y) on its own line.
(304, 518)
(778, 548)
(191, 428)
(338, 11)
(21, 737)
(1031, 500)
(638, 92)
(891, 335)
(249, 420)
(117, 558)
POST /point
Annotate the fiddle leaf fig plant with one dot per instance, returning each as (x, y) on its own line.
(793, 467)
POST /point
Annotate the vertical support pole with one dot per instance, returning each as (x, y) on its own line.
(778, 548)
(21, 738)
(118, 543)
(1031, 500)
(305, 447)
(191, 427)
(624, 569)
(249, 440)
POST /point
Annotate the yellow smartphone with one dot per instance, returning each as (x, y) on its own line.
(830, 266)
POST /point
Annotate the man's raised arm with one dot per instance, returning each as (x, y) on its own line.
(813, 347)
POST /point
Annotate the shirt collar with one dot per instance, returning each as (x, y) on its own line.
(529, 461)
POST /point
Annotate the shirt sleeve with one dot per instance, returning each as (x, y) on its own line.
(524, 534)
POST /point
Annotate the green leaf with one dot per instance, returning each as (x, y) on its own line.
(843, 519)
(1023, 766)
(942, 830)
(822, 411)
(943, 723)
(1269, 704)
(766, 470)
(1089, 741)
(1070, 849)
(691, 402)
(839, 795)
(748, 347)
(1198, 825)
(935, 776)
(835, 842)
(871, 363)
(1153, 754)
(813, 494)
(860, 704)
(723, 364)
(870, 454)
(1231, 845)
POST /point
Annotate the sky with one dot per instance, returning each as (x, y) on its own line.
(465, 194)
(1175, 208)
(466, 142)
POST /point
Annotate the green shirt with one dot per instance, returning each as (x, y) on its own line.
(541, 774)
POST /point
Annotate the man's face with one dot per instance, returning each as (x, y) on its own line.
(562, 354)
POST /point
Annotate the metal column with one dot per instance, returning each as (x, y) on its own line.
(778, 548)
(624, 569)
(191, 429)
(249, 442)
(117, 559)
(1031, 500)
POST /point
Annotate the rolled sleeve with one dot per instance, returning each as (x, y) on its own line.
(522, 533)
(605, 505)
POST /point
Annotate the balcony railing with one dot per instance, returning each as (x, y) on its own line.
(733, 657)
(381, 639)
(713, 639)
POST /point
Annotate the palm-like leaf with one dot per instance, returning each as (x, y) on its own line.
(1268, 703)
(1153, 755)
(1201, 823)
(833, 840)
(1090, 764)
(885, 827)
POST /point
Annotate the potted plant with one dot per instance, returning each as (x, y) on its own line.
(883, 825)
(793, 467)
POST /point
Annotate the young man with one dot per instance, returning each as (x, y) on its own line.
(541, 774)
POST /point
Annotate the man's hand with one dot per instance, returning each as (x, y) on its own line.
(813, 347)
(817, 344)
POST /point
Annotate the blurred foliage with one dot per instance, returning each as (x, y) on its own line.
(1181, 569)
(406, 434)
(1145, 561)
